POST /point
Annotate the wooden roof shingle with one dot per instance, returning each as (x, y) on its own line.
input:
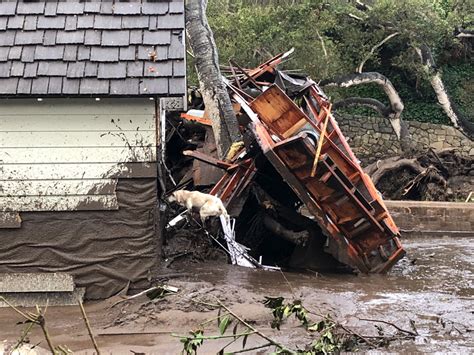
(86, 48)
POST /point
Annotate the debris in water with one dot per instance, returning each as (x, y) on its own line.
(295, 186)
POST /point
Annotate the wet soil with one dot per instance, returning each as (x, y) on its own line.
(433, 287)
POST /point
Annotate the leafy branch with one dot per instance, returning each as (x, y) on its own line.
(330, 335)
(196, 338)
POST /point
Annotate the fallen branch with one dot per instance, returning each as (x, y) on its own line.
(215, 337)
(35, 318)
(389, 165)
(23, 337)
(252, 349)
(391, 324)
(393, 112)
(88, 326)
(154, 288)
(256, 331)
(170, 260)
(429, 172)
(172, 275)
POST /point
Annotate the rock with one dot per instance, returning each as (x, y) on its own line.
(437, 145)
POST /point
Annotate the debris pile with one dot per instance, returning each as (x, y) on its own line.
(297, 191)
(430, 176)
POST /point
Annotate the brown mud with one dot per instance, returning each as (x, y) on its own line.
(433, 287)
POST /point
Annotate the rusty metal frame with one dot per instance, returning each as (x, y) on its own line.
(340, 196)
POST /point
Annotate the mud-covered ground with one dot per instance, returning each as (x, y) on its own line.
(433, 287)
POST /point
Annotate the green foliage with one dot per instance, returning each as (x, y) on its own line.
(193, 342)
(251, 31)
(459, 80)
(329, 340)
(282, 311)
(224, 323)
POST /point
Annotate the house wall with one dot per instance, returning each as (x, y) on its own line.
(78, 190)
(65, 154)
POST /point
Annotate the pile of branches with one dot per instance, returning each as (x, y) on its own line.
(430, 176)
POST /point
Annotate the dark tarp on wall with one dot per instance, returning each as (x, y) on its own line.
(103, 250)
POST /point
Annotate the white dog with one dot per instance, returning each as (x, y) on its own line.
(208, 205)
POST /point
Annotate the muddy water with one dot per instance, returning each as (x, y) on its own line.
(433, 286)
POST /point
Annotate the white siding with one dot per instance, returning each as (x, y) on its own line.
(57, 139)
(64, 154)
(41, 155)
(58, 187)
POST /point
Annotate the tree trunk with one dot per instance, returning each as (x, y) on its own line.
(213, 90)
(392, 112)
(444, 100)
(297, 238)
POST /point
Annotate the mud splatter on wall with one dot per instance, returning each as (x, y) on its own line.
(66, 154)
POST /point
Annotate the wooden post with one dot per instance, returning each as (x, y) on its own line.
(320, 143)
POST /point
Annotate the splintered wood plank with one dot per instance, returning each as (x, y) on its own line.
(277, 110)
(295, 128)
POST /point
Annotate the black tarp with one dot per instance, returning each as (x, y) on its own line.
(103, 250)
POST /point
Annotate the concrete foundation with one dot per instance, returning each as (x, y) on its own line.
(36, 282)
(433, 219)
(43, 299)
(32, 289)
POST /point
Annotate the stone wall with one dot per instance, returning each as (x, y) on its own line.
(373, 138)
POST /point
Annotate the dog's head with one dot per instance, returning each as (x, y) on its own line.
(172, 198)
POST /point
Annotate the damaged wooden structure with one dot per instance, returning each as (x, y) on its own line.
(286, 121)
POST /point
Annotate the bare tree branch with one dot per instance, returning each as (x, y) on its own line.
(89, 329)
(374, 48)
(436, 80)
(463, 33)
(355, 17)
(396, 103)
(322, 44)
(361, 6)
(392, 112)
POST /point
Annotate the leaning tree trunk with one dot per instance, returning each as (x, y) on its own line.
(213, 90)
(444, 100)
(393, 112)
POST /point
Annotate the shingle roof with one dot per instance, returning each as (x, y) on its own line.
(98, 47)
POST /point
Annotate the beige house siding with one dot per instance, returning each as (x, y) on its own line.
(66, 154)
